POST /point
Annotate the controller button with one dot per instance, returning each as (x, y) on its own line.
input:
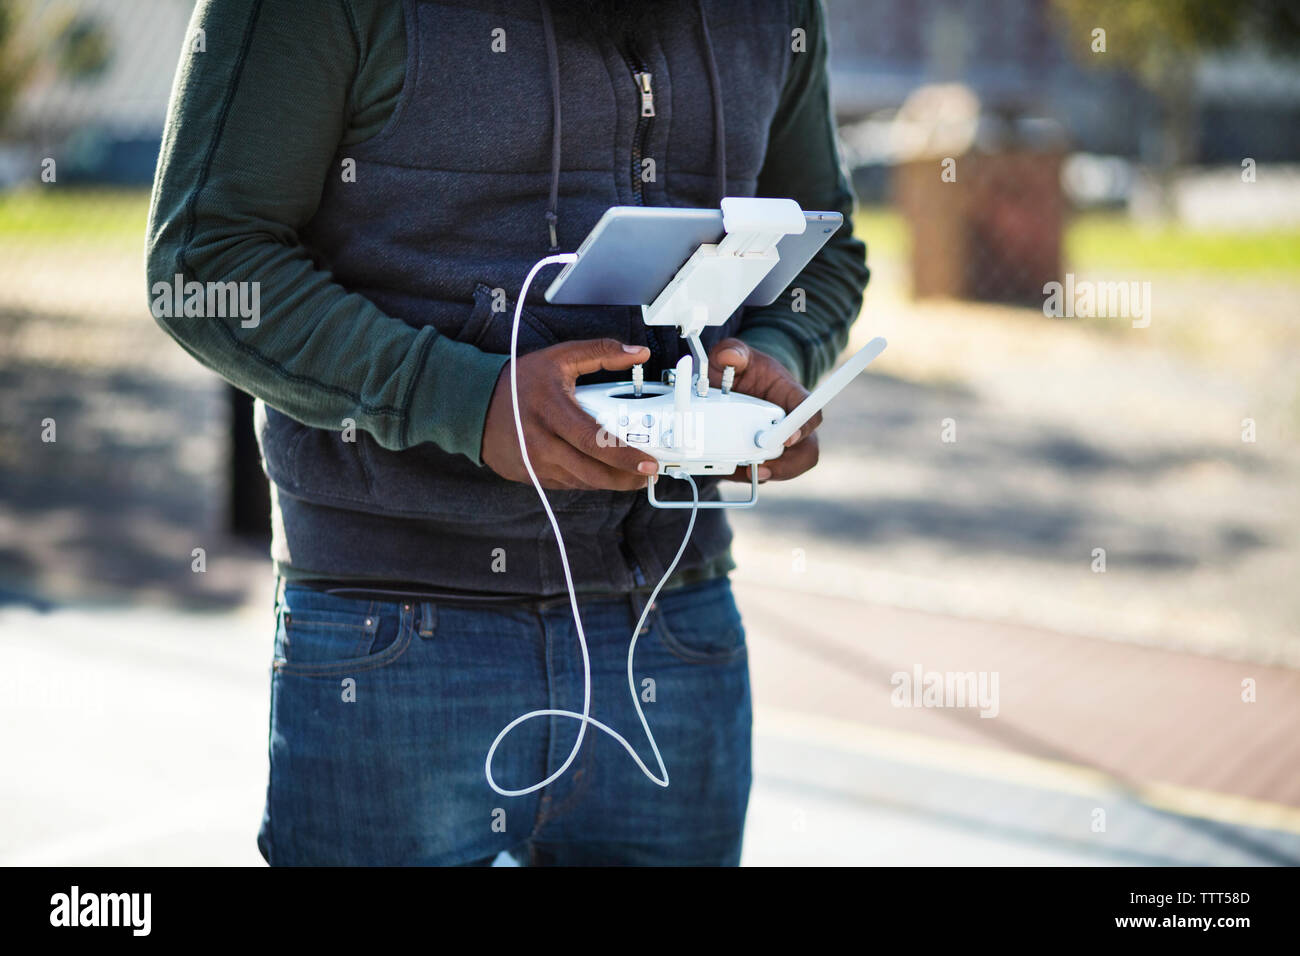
(638, 438)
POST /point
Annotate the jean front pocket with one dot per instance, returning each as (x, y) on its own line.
(701, 623)
(323, 635)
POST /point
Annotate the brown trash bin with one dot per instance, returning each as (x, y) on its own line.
(995, 232)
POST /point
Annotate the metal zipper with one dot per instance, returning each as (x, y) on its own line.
(645, 115)
(644, 82)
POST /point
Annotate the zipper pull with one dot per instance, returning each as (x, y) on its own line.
(647, 94)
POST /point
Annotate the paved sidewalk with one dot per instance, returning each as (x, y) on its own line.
(1157, 745)
(139, 737)
(1138, 716)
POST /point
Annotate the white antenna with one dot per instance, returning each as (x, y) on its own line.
(771, 439)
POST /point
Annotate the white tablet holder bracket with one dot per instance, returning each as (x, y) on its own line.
(688, 427)
(718, 277)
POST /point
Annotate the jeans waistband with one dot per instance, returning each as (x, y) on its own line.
(636, 598)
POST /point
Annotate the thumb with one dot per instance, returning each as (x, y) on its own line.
(731, 352)
(591, 355)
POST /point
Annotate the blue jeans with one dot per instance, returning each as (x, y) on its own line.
(382, 714)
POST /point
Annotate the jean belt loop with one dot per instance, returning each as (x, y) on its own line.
(428, 618)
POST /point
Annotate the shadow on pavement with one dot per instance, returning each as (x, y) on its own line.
(134, 480)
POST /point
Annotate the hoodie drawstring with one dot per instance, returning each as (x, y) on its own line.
(715, 86)
(553, 65)
(553, 62)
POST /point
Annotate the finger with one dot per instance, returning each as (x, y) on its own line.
(730, 351)
(580, 446)
(592, 355)
(589, 474)
(540, 454)
(551, 476)
(557, 480)
(794, 461)
(553, 462)
(804, 430)
(742, 474)
(584, 433)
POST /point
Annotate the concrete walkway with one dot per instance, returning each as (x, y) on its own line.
(138, 737)
(1099, 752)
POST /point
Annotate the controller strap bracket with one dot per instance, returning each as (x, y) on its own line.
(721, 503)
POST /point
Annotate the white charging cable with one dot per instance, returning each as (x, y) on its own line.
(585, 717)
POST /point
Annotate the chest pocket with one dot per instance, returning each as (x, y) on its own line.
(490, 321)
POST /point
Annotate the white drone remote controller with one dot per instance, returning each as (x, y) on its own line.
(688, 426)
(707, 431)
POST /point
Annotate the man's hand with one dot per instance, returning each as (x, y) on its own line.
(562, 439)
(764, 377)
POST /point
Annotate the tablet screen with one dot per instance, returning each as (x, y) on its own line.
(633, 252)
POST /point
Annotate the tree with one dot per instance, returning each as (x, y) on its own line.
(1160, 41)
(16, 59)
(60, 40)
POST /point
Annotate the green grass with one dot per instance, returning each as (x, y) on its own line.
(50, 214)
(1093, 241)
(1113, 241)
(882, 229)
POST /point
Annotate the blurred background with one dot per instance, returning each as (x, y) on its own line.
(1083, 495)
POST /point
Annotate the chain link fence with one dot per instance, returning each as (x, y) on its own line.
(1041, 208)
